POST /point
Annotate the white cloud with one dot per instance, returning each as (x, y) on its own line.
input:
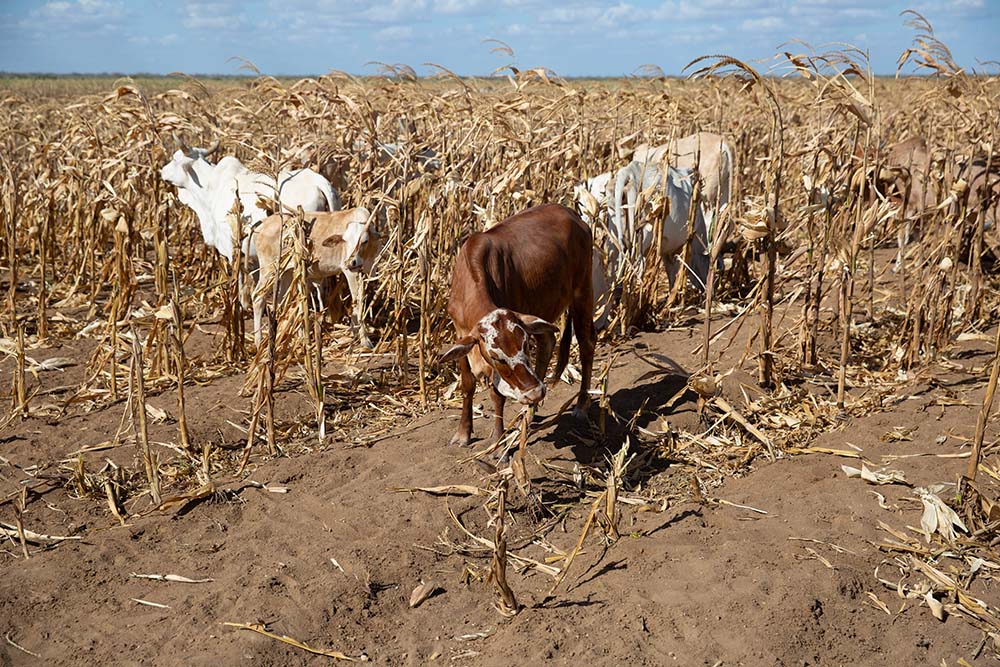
(83, 18)
(394, 11)
(80, 12)
(302, 20)
(146, 40)
(54, 9)
(862, 13)
(395, 33)
(619, 16)
(220, 15)
(763, 24)
(457, 6)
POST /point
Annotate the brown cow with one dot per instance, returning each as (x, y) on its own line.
(914, 157)
(977, 190)
(906, 179)
(510, 283)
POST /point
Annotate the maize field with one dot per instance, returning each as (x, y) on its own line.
(797, 464)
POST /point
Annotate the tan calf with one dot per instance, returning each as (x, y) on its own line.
(339, 242)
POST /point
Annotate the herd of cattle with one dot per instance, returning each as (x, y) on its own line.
(227, 194)
(513, 280)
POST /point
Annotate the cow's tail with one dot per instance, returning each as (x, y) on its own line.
(562, 358)
(625, 238)
(621, 179)
(727, 196)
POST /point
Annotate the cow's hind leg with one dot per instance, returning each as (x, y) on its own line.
(463, 434)
(582, 314)
(248, 276)
(258, 297)
(902, 240)
(673, 266)
(258, 317)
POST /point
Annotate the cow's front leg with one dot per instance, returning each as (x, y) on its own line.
(499, 400)
(673, 267)
(356, 283)
(463, 434)
(258, 310)
(545, 344)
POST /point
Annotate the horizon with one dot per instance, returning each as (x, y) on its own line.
(422, 77)
(573, 40)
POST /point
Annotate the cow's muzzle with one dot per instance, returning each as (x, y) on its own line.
(533, 396)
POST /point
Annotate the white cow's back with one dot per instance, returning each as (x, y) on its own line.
(639, 180)
(712, 155)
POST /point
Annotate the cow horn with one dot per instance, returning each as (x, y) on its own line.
(212, 149)
(180, 142)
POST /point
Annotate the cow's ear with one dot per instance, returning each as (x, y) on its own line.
(332, 240)
(537, 326)
(191, 173)
(459, 349)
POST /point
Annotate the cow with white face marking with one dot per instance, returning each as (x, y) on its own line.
(509, 284)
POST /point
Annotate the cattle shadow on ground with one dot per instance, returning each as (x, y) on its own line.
(640, 405)
(970, 354)
(948, 383)
(550, 493)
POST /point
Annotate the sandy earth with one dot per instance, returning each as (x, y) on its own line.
(698, 583)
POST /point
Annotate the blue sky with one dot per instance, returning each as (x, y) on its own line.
(573, 38)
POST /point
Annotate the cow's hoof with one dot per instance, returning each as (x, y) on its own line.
(367, 343)
(460, 440)
(580, 414)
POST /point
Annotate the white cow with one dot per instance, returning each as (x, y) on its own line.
(210, 190)
(593, 196)
(707, 152)
(636, 239)
(603, 201)
(593, 200)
